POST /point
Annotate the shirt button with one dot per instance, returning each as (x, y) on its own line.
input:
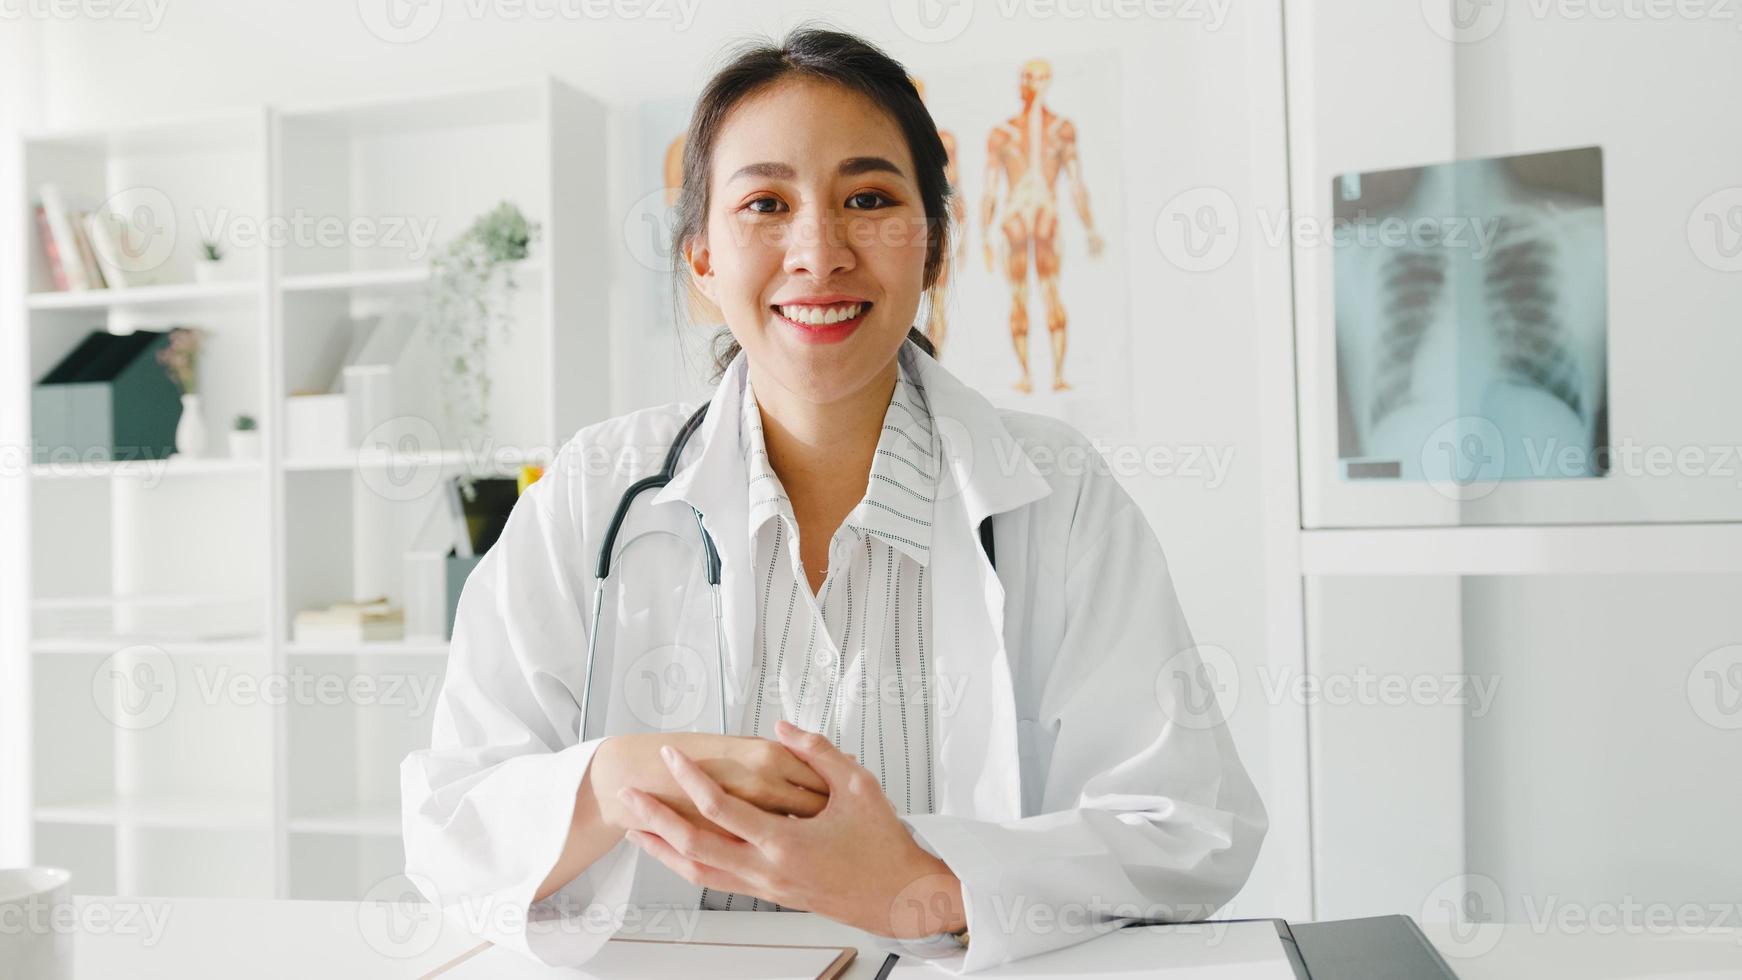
(824, 659)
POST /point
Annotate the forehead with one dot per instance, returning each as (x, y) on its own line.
(809, 124)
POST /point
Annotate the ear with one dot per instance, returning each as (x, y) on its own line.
(701, 269)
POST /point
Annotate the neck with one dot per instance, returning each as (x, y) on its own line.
(822, 452)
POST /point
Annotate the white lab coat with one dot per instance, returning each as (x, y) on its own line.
(1083, 770)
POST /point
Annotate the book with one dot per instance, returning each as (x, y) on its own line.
(51, 254)
(61, 232)
(87, 255)
(350, 622)
(108, 248)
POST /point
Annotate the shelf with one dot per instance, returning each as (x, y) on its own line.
(168, 294)
(161, 811)
(392, 648)
(1589, 549)
(371, 279)
(107, 645)
(366, 821)
(446, 459)
(378, 279)
(146, 468)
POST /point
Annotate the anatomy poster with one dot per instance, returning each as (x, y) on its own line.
(1036, 316)
(1472, 320)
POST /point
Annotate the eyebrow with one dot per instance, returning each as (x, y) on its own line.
(850, 167)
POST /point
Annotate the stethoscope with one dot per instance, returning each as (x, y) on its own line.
(602, 571)
(710, 564)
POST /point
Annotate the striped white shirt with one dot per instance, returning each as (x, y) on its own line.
(852, 660)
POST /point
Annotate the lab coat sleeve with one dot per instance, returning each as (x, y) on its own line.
(487, 807)
(1145, 809)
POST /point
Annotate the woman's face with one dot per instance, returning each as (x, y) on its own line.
(815, 243)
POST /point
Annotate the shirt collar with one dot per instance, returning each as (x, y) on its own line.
(984, 469)
(899, 494)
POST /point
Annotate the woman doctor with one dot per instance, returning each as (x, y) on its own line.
(919, 744)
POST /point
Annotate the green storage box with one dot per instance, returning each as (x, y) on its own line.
(107, 400)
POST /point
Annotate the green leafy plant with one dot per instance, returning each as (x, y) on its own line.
(246, 423)
(210, 247)
(471, 297)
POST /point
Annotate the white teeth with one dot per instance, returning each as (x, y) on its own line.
(821, 316)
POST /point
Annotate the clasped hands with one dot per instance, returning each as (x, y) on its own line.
(794, 821)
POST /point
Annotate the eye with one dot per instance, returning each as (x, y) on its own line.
(876, 200)
(773, 203)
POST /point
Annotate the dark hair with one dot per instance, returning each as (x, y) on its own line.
(833, 56)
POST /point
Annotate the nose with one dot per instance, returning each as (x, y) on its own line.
(817, 244)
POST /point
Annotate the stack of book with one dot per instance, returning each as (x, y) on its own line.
(350, 622)
(85, 249)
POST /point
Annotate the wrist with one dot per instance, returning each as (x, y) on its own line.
(601, 784)
(943, 909)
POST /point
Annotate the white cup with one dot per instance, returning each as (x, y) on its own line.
(36, 936)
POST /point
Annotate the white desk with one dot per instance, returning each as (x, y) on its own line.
(203, 937)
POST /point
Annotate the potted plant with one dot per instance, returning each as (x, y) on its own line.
(209, 267)
(245, 438)
(468, 301)
(180, 360)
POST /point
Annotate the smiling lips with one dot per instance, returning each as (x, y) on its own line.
(823, 322)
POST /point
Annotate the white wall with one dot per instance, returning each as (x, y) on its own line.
(1187, 112)
(19, 102)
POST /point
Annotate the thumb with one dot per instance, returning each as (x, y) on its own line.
(835, 766)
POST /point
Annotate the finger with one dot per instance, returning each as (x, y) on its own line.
(691, 841)
(690, 870)
(799, 801)
(817, 752)
(795, 770)
(732, 814)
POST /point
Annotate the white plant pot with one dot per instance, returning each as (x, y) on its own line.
(245, 443)
(190, 431)
(206, 271)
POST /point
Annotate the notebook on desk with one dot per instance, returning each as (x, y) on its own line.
(650, 959)
(1387, 947)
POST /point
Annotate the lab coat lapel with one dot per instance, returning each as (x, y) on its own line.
(985, 473)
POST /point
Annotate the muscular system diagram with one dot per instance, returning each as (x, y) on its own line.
(1025, 154)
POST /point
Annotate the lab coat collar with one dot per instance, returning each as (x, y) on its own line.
(984, 464)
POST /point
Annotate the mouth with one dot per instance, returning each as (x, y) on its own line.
(823, 322)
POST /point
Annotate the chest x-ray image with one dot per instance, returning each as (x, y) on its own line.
(1472, 319)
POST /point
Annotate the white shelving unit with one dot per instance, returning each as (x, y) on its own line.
(231, 780)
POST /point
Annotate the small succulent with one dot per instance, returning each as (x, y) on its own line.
(245, 423)
(211, 249)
